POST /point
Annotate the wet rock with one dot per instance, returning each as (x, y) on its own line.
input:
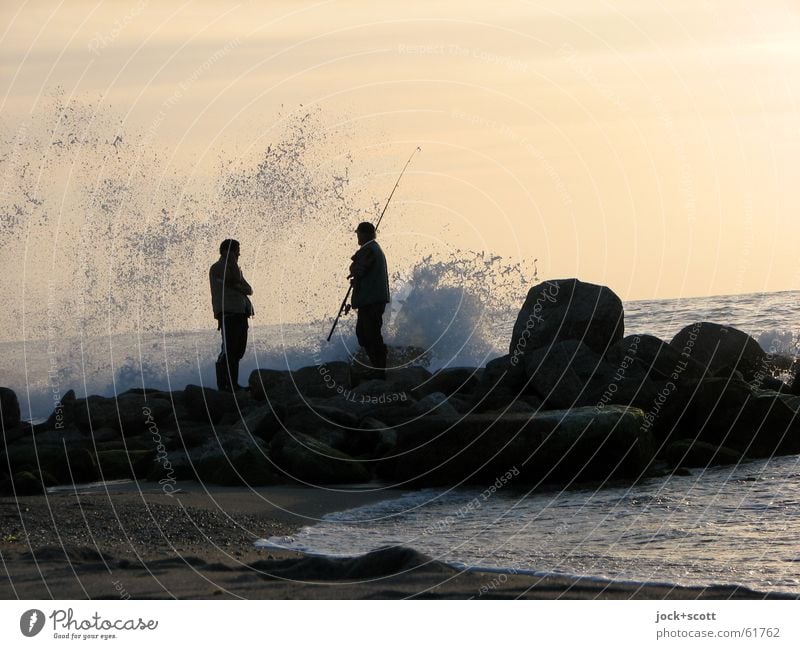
(450, 381)
(270, 384)
(232, 457)
(129, 414)
(723, 350)
(642, 356)
(9, 409)
(24, 483)
(209, 405)
(436, 403)
(305, 459)
(119, 465)
(263, 422)
(75, 465)
(62, 416)
(251, 467)
(725, 412)
(325, 380)
(694, 453)
(558, 446)
(70, 437)
(567, 373)
(501, 374)
(567, 309)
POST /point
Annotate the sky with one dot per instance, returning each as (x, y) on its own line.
(648, 146)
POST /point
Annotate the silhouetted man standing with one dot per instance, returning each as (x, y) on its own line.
(370, 279)
(232, 308)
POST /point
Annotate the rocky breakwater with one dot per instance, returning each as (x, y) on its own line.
(575, 399)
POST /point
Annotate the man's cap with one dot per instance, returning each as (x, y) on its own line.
(366, 227)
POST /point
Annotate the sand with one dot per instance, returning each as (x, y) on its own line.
(120, 541)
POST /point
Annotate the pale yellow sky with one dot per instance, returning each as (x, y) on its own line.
(649, 146)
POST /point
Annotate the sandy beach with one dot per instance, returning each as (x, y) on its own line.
(120, 542)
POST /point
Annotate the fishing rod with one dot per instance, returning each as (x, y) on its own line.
(345, 307)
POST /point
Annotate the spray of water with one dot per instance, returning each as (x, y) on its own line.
(106, 245)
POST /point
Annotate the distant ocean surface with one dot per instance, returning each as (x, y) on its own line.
(722, 525)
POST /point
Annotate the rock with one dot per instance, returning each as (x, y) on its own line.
(723, 350)
(407, 379)
(450, 381)
(436, 403)
(264, 422)
(567, 309)
(70, 437)
(640, 355)
(392, 415)
(374, 439)
(266, 384)
(73, 466)
(548, 447)
(129, 414)
(377, 392)
(207, 404)
(325, 380)
(694, 453)
(379, 564)
(9, 409)
(25, 483)
(101, 435)
(561, 374)
(771, 383)
(730, 413)
(304, 459)
(251, 467)
(569, 374)
(231, 457)
(309, 417)
(62, 415)
(118, 465)
(501, 373)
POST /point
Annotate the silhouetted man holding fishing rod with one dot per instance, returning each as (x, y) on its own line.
(369, 283)
(370, 280)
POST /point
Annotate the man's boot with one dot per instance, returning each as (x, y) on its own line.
(234, 376)
(379, 362)
(221, 367)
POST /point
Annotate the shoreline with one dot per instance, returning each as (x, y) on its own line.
(118, 541)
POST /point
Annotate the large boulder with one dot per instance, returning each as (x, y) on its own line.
(66, 466)
(558, 446)
(269, 384)
(305, 459)
(729, 412)
(567, 309)
(9, 409)
(130, 414)
(232, 457)
(642, 355)
(324, 380)
(723, 350)
(694, 453)
(450, 381)
(209, 405)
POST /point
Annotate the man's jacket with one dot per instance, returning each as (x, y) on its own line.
(370, 276)
(229, 290)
